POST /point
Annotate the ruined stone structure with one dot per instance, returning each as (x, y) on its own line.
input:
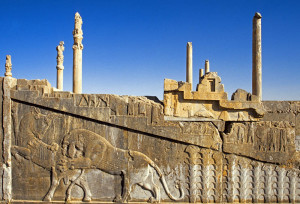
(77, 54)
(195, 146)
(60, 67)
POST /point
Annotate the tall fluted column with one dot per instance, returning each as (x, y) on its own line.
(207, 66)
(60, 67)
(189, 63)
(256, 57)
(77, 55)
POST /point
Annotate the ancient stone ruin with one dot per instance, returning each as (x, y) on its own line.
(195, 146)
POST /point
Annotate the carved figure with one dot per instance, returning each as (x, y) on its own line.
(282, 141)
(77, 32)
(30, 135)
(250, 136)
(88, 150)
(237, 134)
(271, 139)
(77, 54)
(240, 134)
(60, 56)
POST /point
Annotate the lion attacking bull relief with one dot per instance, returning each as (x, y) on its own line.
(82, 150)
(87, 150)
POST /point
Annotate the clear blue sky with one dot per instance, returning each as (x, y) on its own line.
(131, 46)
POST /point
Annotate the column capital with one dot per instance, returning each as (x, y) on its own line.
(77, 47)
(8, 66)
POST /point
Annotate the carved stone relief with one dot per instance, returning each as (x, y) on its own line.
(86, 147)
(267, 141)
(217, 177)
(297, 142)
(209, 134)
(252, 181)
(204, 173)
(70, 154)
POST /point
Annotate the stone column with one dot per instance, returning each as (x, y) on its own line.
(201, 74)
(8, 83)
(60, 67)
(206, 66)
(256, 57)
(8, 66)
(77, 55)
(189, 63)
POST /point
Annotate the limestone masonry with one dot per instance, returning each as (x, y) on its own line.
(196, 146)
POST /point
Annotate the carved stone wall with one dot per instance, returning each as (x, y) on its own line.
(61, 146)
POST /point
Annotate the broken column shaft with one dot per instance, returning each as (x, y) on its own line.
(206, 66)
(8, 66)
(256, 57)
(77, 55)
(189, 63)
(201, 74)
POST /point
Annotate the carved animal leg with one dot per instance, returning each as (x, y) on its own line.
(126, 187)
(54, 183)
(85, 187)
(126, 194)
(69, 190)
(76, 181)
(151, 186)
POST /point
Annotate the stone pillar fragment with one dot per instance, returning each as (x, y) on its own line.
(60, 67)
(77, 54)
(8, 83)
(256, 57)
(189, 63)
(8, 66)
(206, 66)
(201, 74)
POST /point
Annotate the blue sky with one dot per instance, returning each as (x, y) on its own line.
(131, 46)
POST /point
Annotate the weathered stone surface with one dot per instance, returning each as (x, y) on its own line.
(60, 67)
(256, 57)
(246, 180)
(196, 146)
(77, 54)
(265, 141)
(8, 82)
(189, 63)
(209, 102)
(279, 111)
(8, 66)
(1, 138)
(93, 146)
